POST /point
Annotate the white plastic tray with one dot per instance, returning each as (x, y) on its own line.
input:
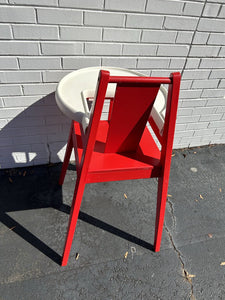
(73, 90)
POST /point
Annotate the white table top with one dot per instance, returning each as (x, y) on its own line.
(75, 87)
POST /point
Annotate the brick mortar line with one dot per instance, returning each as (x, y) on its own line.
(103, 9)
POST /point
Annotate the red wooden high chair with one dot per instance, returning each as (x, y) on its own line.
(122, 147)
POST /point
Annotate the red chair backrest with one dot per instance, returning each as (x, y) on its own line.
(132, 104)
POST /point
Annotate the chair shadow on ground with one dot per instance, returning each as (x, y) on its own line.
(42, 145)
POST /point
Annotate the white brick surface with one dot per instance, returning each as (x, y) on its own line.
(184, 37)
(156, 36)
(220, 109)
(222, 51)
(152, 63)
(144, 21)
(200, 38)
(190, 94)
(204, 110)
(217, 74)
(212, 93)
(62, 48)
(41, 89)
(75, 33)
(165, 7)
(204, 51)
(216, 39)
(104, 19)
(177, 63)
(35, 2)
(211, 25)
(210, 83)
(196, 74)
(35, 32)
(5, 31)
(192, 63)
(102, 49)
(10, 112)
(211, 10)
(54, 76)
(3, 123)
(17, 14)
(222, 12)
(204, 132)
(8, 63)
(212, 63)
(139, 49)
(194, 103)
(125, 5)
(74, 63)
(122, 35)
(39, 63)
(222, 83)
(42, 41)
(193, 9)
(120, 62)
(185, 84)
(180, 23)
(19, 101)
(210, 117)
(10, 90)
(172, 50)
(19, 48)
(59, 16)
(197, 126)
(20, 76)
(82, 4)
(217, 124)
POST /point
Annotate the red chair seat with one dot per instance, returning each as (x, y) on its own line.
(120, 166)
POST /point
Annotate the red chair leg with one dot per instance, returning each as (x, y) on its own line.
(160, 211)
(66, 159)
(75, 208)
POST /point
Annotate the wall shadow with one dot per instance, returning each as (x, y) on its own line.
(34, 136)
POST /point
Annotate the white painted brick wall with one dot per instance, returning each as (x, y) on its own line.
(42, 41)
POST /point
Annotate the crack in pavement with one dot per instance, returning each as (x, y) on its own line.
(186, 275)
(184, 271)
(172, 212)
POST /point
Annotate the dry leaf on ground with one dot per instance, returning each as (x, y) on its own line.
(190, 275)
